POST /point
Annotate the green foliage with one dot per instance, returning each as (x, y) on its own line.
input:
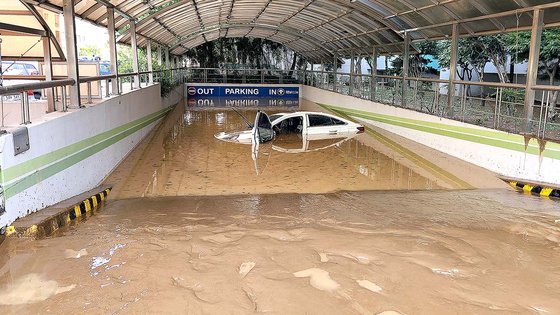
(473, 53)
(549, 59)
(246, 52)
(89, 51)
(418, 62)
(512, 96)
(124, 59)
(167, 84)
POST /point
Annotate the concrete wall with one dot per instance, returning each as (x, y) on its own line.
(73, 152)
(500, 152)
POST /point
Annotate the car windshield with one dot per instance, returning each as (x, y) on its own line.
(13, 68)
(275, 116)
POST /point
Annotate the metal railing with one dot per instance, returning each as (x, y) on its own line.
(59, 89)
(493, 105)
(490, 104)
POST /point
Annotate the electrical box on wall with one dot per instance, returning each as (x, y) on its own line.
(21, 140)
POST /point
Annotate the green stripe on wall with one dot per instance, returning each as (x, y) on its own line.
(428, 166)
(488, 137)
(75, 153)
(16, 171)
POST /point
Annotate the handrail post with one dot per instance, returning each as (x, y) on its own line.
(89, 92)
(64, 104)
(23, 97)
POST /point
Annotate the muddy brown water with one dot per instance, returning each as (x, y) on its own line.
(173, 240)
(187, 160)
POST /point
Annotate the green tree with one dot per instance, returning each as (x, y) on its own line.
(418, 64)
(90, 51)
(518, 45)
(243, 52)
(124, 59)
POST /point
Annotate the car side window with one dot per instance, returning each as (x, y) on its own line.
(320, 120)
(337, 122)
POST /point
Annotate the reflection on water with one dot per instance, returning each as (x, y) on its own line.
(423, 252)
(186, 159)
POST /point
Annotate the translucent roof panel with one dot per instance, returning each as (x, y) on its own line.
(318, 29)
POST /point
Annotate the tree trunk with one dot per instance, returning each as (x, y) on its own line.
(293, 67)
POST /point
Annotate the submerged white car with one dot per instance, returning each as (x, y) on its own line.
(313, 123)
(306, 124)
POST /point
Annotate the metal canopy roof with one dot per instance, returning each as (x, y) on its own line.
(317, 29)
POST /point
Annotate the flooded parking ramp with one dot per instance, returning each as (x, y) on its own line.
(423, 252)
(185, 159)
(336, 225)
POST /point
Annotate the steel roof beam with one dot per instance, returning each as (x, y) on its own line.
(486, 17)
(22, 29)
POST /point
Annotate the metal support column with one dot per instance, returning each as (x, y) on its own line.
(352, 71)
(159, 56)
(71, 52)
(113, 50)
(533, 68)
(150, 65)
(167, 57)
(452, 69)
(406, 64)
(134, 45)
(322, 74)
(373, 84)
(48, 73)
(335, 71)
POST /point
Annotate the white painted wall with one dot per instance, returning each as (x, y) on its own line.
(61, 130)
(505, 162)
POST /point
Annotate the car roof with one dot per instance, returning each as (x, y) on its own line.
(308, 113)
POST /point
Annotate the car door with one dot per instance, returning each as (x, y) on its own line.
(262, 129)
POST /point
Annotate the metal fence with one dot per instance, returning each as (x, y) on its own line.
(494, 105)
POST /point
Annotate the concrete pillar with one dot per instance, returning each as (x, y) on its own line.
(149, 57)
(113, 50)
(373, 88)
(134, 45)
(533, 67)
(159, 56)
(406, 64)
(71, 52)
(452, 68)
(48, 72)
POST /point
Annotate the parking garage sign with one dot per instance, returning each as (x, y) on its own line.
(243, 91)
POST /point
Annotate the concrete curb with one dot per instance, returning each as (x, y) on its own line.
(46, 222)
(536, 189)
